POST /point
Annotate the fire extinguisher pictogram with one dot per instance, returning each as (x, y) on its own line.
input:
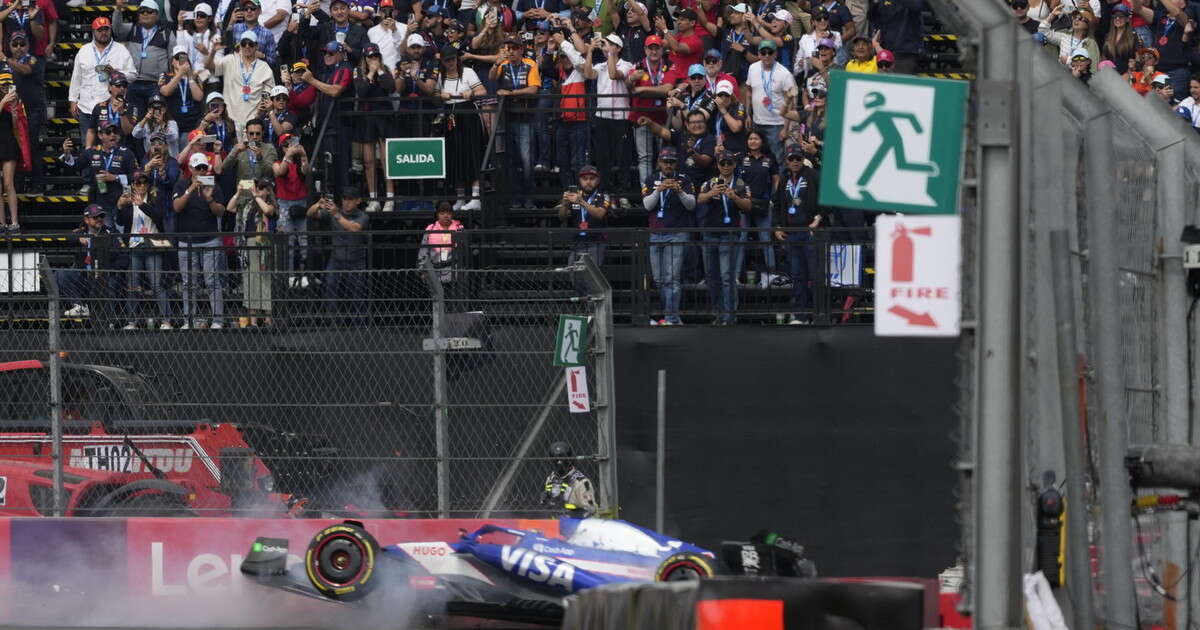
(903, 254)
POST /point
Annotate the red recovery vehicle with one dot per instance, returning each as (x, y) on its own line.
(126, 453)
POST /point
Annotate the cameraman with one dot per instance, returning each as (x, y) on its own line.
(348, 248)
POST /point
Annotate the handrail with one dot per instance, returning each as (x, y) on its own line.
(308, 180)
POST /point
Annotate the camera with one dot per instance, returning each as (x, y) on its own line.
(327, 197)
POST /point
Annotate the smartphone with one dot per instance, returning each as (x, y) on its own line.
(293, 141)
(253, 144)
(209, 140)
(572, 188)
(189, 15)
(206, 180)
(25, 3)
(245, 184)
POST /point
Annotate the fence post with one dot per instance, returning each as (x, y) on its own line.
(1079, 574)
(54, 310)
(822, 295)
(606, 398)
(440, 388)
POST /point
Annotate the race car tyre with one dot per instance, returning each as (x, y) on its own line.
(685, 566)
(151, 505)
(340, 562)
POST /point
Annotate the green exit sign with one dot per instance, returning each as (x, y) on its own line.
(416, 158)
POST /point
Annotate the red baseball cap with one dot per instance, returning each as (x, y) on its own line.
(653, 40)
(101, 22)
(885, 56)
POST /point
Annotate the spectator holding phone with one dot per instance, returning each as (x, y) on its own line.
(24, 17)
(143, 215)
(584, 208)
(94, 61)
(149, 42)
(246, 21)
(797, 214)
(115, 111)
(15, 150)
(372, 81)
(670, 199)
(252, 158)
(291, 189)
(107, 167)
(729, 201)
(183, 91)
(157, 121)
(198, 204)
(197, 35)
(248, 79)
(348, 247)
(335, 26)
(161, 168)
(257, 210)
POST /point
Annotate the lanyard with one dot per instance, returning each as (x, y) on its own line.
(720, 124)
(109, 160)
(539, 4)
(112, 112)
(663, 195)
(795, 187)
(146, 39)
(655, 77)
(341, 29)
(270, 129)
(99, 57)
(725, 202)
(693, 101)
(766, 78)
(246, 76)
(736, 37)
(220, 129)
(583, 214)
(696, 144)
(183, 95)
(595, 13)
(21, 18)
(512, 75)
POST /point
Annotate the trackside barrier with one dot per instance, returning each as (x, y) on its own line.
(173, 571)
(736, 603)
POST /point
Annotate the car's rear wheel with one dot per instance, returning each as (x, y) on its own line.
(340, 562)
(685, 566)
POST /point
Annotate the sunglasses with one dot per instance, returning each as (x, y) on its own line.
(254, 134)
(200, 167)
(712, 60)
(884, 64)
(146, 12)
(766, 51)
(251, 7)
(281, 97)
(250, 44)
(158, 140)
(794, 158)
(725, 163)
(331, 54)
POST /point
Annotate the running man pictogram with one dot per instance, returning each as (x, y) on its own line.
(885, 122)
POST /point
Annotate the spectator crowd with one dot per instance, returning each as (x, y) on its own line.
(199, 117)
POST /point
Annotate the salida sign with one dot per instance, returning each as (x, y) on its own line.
(416, 158)
(917, 276)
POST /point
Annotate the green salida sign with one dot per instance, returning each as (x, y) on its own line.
(416, 158)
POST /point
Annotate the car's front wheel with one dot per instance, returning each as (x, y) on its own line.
(685, 566)
(341, 562)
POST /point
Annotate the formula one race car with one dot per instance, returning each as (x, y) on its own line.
(508, 574)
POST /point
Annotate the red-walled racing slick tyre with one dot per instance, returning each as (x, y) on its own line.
(341, 562)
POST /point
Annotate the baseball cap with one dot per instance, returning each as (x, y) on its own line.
(333, 47)
(279, 90)
(449, 52)
(300, 66)
(101, 22)
(1159, 79)
(213, 96)
(1146, 51)
(203, 7)
(686, 14)
(588, 169)
(257, 3)
(415, 40)
(653, 40)
(18, 35)
(793, 149)
(248, 36)
(1117, 8)
(283, 138)
(1081, 53)
(118, 79)
(93, 210)
(784, 15)
(351, 192)
(149, 5)
(179, 50)
(139, 175)
(712, 53)
(820, 13)
(383, 4)
(156, 99)
(457, 25)
(824, 43)
(767, 43)
(1021, 4)
(726, 154)
(526, 36)
(724, 87)
(615, 40)
(197, 159)
(371, 50)
(514, 42)
(669, 154)
(740, 8)
(696, 69)
(885, 56)
(158, 136)
(107, 125)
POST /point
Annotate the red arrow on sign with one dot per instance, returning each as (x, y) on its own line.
(914, 319)
(577, 404)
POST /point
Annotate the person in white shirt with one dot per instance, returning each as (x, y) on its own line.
(198, 35)
(613, 130)
(388, 35)
(1189, 108)
(89, 86)
(772, 92)
(275, 15)
(248, 79)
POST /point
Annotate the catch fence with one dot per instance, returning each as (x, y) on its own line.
(421, 391)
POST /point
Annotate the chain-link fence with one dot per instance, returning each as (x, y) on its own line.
(427, 391)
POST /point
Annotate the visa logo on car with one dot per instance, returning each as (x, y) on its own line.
(537, 568)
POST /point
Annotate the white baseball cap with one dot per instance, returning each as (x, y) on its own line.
(202, 8)
(180, 50)
(784, 15)
(724, 87)
(415, 40)
(279, 90)
(248, 36)
(212, 96)
(197, 159)
(615, 39)
(148, 4)
(740, 8)
(1081, 52)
